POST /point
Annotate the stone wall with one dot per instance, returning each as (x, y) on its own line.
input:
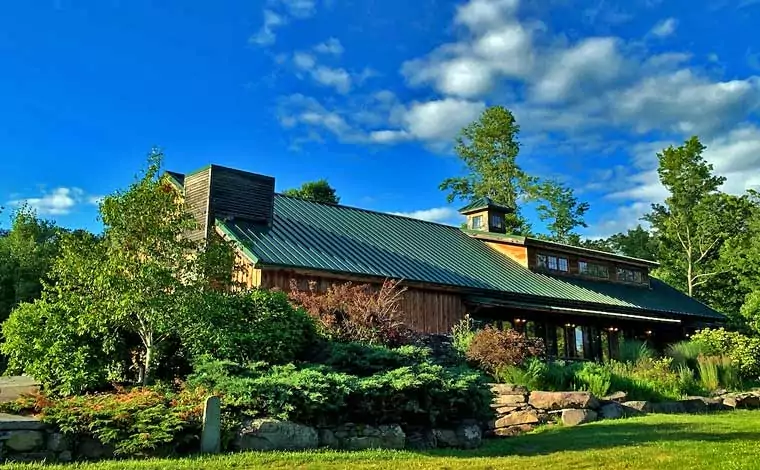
(28, 439)
(518, 411)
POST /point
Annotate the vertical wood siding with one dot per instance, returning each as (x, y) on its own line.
(241, 194)
(425, 311)
(518, 253)
(197, 187)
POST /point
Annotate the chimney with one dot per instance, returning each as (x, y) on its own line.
(217, 192)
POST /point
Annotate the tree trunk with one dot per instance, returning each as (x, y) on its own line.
(149, 346)
(690, 278)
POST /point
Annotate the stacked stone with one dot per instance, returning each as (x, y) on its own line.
(27, 439)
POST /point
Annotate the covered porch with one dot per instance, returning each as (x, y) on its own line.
(575, 332)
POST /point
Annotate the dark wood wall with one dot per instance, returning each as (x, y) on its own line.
(425, 310)
(241, 194)
(574, 270)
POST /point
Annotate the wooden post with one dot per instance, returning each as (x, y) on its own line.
(211, 436)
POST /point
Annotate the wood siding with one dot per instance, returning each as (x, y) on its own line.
(518, 253)
(426, 311)
(197, 192)
(241, 194)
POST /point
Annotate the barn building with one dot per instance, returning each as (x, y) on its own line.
(582, 302)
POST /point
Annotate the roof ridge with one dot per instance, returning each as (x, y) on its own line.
(361, 209)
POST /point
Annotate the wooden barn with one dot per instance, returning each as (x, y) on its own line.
(581, 301)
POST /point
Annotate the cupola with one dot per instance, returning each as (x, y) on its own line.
(486, 215)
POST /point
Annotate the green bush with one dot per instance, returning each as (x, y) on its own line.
(647, 379)
(423, 393)
(592, 377)
(67, 357)
(259, 325)
(743, 351)
(364, 359)
(685, 353)
(141, 421)
(709, 377)
(632, 351)
(462, 334)
(532, 375)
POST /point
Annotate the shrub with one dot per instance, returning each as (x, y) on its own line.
(135, 422)
(493, 349)
(349, 312)
(559, 376)
(44, 341)
(258, 325)
(708, 372)
(647, 379)
(423, 393)
(532, 375)
(462, 334)
(632, 351)
(743, 351)
(592, 377)
(364, 359)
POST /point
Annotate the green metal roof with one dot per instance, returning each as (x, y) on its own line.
(482, 203)
(337, 238)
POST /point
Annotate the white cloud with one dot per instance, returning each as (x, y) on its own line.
(445, 215)
(588, 66)
(441, 120)
(337, 78)
(332, 46)
(300, 8)
(480, 15)
(266, 34)
(664, 28)
(59, 201)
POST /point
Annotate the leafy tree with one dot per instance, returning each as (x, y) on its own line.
(599, 244)
(489, 148)
(637, 243)
(561, 209)
(26, 253)
(316, 191)
(695, 219)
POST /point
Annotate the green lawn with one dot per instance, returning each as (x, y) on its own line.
(663, 442)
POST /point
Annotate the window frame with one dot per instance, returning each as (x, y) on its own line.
(479, 219)
(497, 221)
(594, 270)
(552, 263)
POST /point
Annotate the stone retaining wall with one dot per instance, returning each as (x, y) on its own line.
(27, 439)
(518, 411)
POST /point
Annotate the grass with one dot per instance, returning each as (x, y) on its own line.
(672, 442)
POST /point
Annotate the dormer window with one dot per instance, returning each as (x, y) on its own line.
(497, 221)
(630, 275)
(484, 214)
(477, 222)
(594, 270)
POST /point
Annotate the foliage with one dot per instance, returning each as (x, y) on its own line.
(493, 349)
(696, 220)
(648, 379)
(743, 351)
(709, 377)
(750, 312)
(316, 191)
(592, 377)
(685, 353)
(561, 209)
(423, 393)
(257, 325)
(365, 359)
(26, 254)
(633, 351)
(68, 357)
(135, 422)
(349, 312)
(462, 334)
(637, 243)
(531, 375)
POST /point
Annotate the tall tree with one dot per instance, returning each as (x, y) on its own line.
(489, 148)
(562, 211)
(637, 243)
(316, 191)
(695, 220)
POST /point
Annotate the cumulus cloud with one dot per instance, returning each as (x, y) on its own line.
(58, 201)
(332, 46)
(266, 34)
(337, 78)
(444, 215)
(278, 13)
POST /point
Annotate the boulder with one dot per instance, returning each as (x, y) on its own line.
(272, 434)
(574, 417)
(65, 456)
(420, 439)
(702, 404)
(618, 397)
(24, 441)
(633, 408)
(358, 437)
(20, 423)
(612, 410)
(511, 431)
(518, 417)
(509, 400)
(508, 389)
(563, 400)
(750, 401)
(465, 436)
(327, 439)
(57, 442)
(503, 410)
(13, 387)
(668, 407)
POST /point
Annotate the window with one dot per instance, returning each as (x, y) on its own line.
(497, 221)
(552, 263)
(477, 222)
(630, 275)
(593, 270)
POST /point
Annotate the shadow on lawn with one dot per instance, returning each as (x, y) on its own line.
(596, 437)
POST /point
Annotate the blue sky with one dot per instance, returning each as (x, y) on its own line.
(369, 94)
